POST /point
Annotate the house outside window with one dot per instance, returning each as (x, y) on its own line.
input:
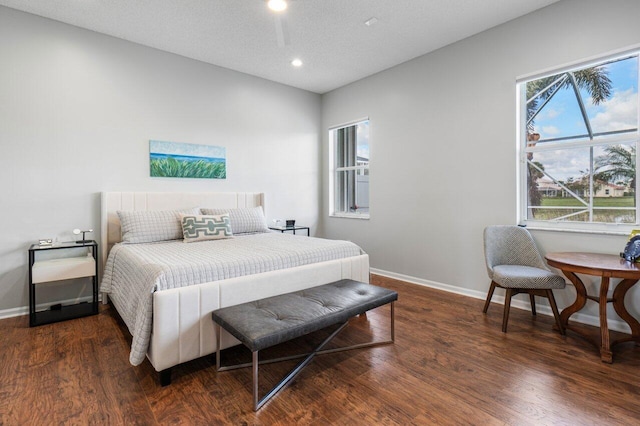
(577, 142)
(349, 170)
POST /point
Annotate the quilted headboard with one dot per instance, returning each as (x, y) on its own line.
(114, 201)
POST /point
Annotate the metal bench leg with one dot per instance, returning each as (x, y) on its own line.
(219, 340)
(256, 398)
(257, 402)
(393, 322)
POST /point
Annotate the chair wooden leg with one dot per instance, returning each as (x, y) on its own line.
(489, 296)
(532, 298)
(507, 306)
(554, 308)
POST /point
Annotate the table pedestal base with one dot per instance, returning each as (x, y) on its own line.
(604, 343)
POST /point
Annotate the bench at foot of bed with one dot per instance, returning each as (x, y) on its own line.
(267, 322)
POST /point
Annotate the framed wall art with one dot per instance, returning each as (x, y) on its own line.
(187, 160)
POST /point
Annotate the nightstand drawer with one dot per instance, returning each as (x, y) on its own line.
(63, 269)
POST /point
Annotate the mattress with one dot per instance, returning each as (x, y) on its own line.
(134, 271)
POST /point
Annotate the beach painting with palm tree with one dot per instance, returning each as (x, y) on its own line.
(187, 160)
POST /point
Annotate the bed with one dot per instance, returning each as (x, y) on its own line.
(179, 326)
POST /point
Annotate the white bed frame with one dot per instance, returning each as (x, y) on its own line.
(183, 329)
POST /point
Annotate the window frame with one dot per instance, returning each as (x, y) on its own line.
(600, 141)
(333, 170)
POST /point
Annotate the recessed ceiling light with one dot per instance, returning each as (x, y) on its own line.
(369, 22)
(277, 5)
(296, 63)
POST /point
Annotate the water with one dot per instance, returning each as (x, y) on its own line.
(157, 156)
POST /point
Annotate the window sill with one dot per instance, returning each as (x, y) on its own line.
(350, 215)
(601, 228)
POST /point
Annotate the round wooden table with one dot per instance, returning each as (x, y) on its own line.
(606, 266)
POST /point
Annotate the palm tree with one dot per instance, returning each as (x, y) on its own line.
(594, 80)
(618, 162)
(535, 198)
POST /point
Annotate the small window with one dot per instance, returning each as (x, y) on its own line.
(349, 151)
(577, 143)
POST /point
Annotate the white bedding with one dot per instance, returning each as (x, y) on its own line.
(134, 271)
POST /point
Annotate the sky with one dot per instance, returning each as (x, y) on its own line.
(190, 149)
(561, 117)
(362, 138)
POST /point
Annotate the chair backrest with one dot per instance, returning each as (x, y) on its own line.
(510, 245)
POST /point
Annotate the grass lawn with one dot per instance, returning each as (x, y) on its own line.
(597, 202)
(603, 213)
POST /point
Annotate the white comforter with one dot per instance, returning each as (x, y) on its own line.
(134, 271)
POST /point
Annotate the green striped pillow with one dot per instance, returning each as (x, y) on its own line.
(205, 227)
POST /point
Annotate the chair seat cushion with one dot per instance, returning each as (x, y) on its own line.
(517, 276)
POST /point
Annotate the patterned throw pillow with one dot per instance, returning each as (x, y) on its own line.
(243, 220)
(147, 226)
(201, 227)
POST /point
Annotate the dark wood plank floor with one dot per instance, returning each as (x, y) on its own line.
(450, 365)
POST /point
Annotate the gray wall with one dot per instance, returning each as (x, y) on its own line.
(443, 151)
(77, 110)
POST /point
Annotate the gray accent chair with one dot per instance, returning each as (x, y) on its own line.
(515, 264)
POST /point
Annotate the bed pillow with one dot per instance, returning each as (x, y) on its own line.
(149, 226)
(205, 227)
(243, 220)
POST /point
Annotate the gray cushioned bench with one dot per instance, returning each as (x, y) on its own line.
(264, 323)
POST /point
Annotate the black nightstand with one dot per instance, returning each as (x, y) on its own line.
(43, 271)
(284, 229)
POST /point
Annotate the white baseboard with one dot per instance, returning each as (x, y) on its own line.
(14, 312)
(24, 310)
(544, 309)
(540, 308)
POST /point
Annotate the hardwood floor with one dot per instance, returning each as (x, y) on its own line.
(450, 365)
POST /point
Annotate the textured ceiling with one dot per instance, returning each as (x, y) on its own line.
(329, 36)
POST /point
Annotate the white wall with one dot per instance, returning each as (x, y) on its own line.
(77, 110)
(443, 151)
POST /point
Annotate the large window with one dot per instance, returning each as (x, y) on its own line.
(578, 137)
(349, 155)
